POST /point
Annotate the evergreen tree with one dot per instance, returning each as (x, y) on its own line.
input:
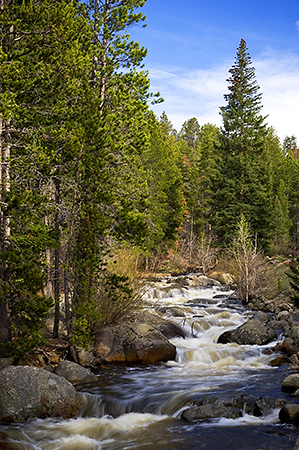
(41, 58)
(281, 224)
(242, 184)
(290, 150)
(163, 163)
(209, 141)
(111, 202)
(294, 276)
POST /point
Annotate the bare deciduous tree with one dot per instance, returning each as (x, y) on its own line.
(247, 266)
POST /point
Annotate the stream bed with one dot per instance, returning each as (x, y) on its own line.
(140, 407)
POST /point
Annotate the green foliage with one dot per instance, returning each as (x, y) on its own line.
(294, 276)
(242, 183)
(162, 162)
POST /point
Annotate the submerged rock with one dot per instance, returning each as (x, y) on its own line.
(252, 332)
(28, 392)
(134, 343)
(211, 408)
(230, 408)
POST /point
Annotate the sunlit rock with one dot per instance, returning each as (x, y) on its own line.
(168, 328)
(134, 343)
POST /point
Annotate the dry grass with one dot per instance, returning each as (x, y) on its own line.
(120, 294)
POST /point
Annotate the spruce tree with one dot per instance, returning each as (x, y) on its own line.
(41, 67)
(242, 184)
(294, 276)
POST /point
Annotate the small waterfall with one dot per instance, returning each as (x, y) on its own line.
(139, 407)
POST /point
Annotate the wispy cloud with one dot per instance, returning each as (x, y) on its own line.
(199, 93)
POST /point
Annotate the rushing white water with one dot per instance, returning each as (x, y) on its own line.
(139, 407)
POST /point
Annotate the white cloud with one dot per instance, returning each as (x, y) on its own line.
(199, 93)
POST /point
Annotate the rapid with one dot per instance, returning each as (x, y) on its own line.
(139, 407)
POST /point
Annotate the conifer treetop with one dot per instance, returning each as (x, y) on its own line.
(241, 116)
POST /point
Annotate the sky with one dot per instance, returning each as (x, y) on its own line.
(192, 44)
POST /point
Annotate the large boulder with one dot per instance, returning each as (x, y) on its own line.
(133, 343)
(74, 373)
(168, 328)
(29, 392)
(252, 332)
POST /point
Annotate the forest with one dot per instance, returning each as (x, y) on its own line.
(96, 190)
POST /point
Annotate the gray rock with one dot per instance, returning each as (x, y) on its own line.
(211, 409)
(134, 343)
(28, 392)
(252, 332)
(261, 316)
(166, 327)
(232, 408)
(289, 414)
(6, 362)
(291, 383)
(85, 357)
(75, 373)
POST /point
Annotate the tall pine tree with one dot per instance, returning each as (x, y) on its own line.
(242, 184)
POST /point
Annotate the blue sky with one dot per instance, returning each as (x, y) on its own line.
(192, 45)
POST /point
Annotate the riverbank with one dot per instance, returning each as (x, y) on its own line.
(205, 312)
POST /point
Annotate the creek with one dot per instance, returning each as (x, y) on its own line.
(139, 407)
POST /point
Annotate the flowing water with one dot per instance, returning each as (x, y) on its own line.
(139, 407)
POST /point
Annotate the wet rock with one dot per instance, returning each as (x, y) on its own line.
(291, 383)
(289, 414)
(287, 346)
(296, 445)
(175, 311)
(168, 328)
(134, 343)
(75, 373)
(211, 408)
(29, 392)
(231, 408)
(279, 361)
(252, 332)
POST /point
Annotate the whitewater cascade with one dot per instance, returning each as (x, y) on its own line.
(140, 407)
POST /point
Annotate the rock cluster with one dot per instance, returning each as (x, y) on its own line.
(230, 408)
